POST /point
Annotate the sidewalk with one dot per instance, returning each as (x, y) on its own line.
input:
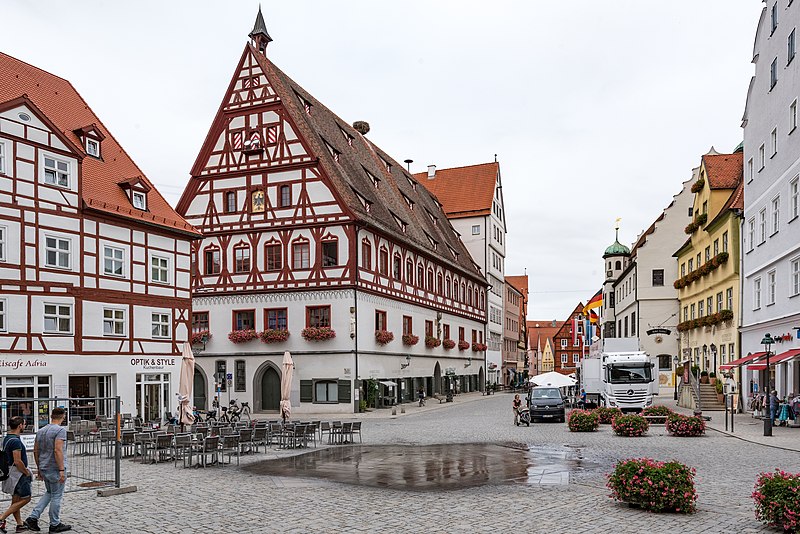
(748, 428)
(411, 408)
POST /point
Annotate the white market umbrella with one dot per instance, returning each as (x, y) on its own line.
(185, 385)
(286, 386)
(552, 379)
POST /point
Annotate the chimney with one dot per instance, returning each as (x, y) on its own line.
(431, 172)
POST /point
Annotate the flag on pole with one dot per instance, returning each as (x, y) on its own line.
(595, 302)
(593, 318)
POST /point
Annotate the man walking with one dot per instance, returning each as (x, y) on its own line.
(18, 483)
(50, 453)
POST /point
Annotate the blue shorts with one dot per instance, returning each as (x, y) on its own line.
(23, 488)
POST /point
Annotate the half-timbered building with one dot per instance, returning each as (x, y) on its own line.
(319, 243)
(94, 263)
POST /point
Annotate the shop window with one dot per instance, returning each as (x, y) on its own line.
(240, 382)
(318, 316)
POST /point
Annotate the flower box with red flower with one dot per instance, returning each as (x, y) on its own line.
(203, 336)
(274, 335)
(242, 336)
(432, 342)
(382, 337)
(448, 344)
(478, 347)
(410, 339)
(463, 345)
(321, 333)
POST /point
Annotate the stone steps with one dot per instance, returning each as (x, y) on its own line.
(708, 398)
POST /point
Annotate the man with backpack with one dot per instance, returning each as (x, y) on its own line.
(50, 453)
(15, 473)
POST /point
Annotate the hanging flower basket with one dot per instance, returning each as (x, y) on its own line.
(432, 342)
(448, 344)
(197, 337)
(410, 339)
(242, 336)
(318, 333)
(382, 337)
(274, 336)
(463, 345)
(478, 347)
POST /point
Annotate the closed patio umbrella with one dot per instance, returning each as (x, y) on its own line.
(286, 386)
(186, 416)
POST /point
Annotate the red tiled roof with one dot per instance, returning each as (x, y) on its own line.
(519, 282)
(463, 191)
(724, 171)
(545, 331)
(61, 104)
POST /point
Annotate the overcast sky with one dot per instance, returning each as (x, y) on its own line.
(596, 109)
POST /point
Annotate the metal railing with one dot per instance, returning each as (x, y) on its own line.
(93, 438)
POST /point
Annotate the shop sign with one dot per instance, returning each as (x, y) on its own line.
(28, 440)
(153, 363)
(19, 363)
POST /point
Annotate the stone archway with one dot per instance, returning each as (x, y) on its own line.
(267, 388)
(437, 379)
(481, 379)
(200, 389)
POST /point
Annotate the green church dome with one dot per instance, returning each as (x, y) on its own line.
(617, 249)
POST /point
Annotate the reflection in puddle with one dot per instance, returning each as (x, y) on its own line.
(431, 467)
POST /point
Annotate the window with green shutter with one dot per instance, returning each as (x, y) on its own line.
(344, 392)
(306, 391)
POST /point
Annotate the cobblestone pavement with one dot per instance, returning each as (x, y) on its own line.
(177, 500)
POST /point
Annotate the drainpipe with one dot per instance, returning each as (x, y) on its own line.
(740, 408)
(356, 381)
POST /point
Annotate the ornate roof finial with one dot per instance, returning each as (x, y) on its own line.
(259, 35)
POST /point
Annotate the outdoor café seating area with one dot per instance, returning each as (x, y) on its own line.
(201, 444)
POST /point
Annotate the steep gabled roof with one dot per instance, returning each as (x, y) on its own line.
(68, 112)
(724, 171)
(539, 332)
(734, 203)
(520, 282)
(351, 169)
(463, 191)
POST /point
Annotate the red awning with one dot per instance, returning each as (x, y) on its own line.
(742, 361)
(782, 357)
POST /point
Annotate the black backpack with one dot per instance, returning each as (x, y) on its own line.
(5, 466)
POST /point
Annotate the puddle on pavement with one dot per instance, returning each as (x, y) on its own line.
(432, 467)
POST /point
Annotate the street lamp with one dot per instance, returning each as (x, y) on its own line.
(675, 360)
(767, 342)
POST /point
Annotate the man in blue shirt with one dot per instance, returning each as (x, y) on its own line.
(18, 483)
(50, 453)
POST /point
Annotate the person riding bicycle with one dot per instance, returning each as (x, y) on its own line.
(421, 396)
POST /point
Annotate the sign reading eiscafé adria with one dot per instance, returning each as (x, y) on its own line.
(19, 363)
(153, 363)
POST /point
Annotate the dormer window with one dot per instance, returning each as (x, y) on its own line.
(374, 179)
(93, 147)
(400, 222)
(409, 202)
(140, 200)
(412, 183)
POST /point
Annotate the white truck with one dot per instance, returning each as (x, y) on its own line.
(617, 374)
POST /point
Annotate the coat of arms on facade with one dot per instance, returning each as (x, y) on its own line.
(258, 201)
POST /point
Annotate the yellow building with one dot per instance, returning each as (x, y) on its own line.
(708, 265)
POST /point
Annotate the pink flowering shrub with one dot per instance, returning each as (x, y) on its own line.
(463, 345)
(272, 335)
(320, 333)
(777, 497)
(607, 415)
(583, 421)
(448, 344)
(382, 337)
(685, 426)
(662, 412)
(197, 337)
(432, 342)
(631, 425)
(654, 486)
(410, 339)
(242, 336)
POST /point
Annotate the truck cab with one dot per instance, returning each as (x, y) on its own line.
(616, 374)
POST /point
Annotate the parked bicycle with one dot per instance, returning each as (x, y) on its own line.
(235, 412)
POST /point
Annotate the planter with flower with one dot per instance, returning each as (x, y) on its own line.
(242, 336)
(685, 426)
(583, 421)
(448, 344)
(662, 412)
(654, 486)
(630, 425)
(463, 345)
(318, 333)
(698, 185)
(432, 342)
(777, 498)
(203, 336)
(410, 339)
(274, 335)
(478, 347)
(382, 337)
(607, 415)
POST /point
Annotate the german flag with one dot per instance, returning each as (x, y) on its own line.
(595, 302)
